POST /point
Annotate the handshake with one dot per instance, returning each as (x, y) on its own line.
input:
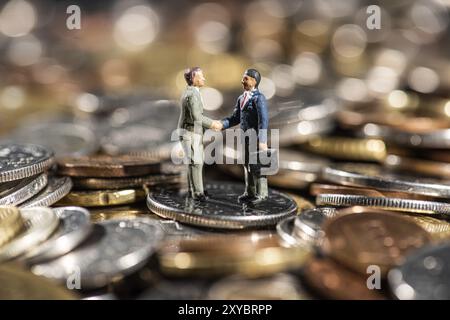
(216, 125)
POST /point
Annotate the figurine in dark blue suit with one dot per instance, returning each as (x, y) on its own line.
(251, 112)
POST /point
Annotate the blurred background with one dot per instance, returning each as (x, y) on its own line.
(125, 47)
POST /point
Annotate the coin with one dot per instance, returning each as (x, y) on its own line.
(306, 228)
(438, 139)
(16, 192)
(64, 138)
(74, 228)
(424, 275)
(115, 248)
(19, 161)
(124, 183)
(11, 223)
(418, 166)
(278, 287)
(296, 170)
(98, 198)
(396, 204)
(20, 284)
(222, 209)
(439, 229)
(106, 166)
(320, 188)
(172, 230)
(372, 176)
(40, 222)
(151, 129)
(57, 188)
(371, 237)
(308, 225)
(207, 256)
(333, 281)
(348, 148)
(303, 117)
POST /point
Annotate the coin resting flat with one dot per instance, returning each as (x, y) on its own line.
(222, 209)
(19, 161)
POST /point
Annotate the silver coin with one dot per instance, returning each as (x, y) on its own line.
(424, 275)
(306, 228)
(150, 133)
(309, 114)
(115, 248)
(19, 161)
(285, 230)
(222, 209)
(308, 224)
(407, 205)
(75, 227)
(56, 189)
(40, 222)
(434, 139)
(16, 192)
(372, 176)
(64, 138)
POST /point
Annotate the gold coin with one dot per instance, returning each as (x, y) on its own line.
(348, 148)
(11, 223)
(302, 203)
(121, 212)
(437, 228)
(241, 254)
(131, 182)
(102, 198)
(19, 284)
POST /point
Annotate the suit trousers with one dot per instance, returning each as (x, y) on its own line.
(193, 149)
(255, 183)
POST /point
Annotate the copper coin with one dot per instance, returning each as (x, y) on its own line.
(334, 281)
(107, 166)
(419, 166)
(320, 188)
(361, 237)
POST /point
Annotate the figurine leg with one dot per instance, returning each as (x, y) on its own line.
(197, 180)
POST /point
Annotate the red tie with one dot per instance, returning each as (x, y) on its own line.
(244, 100)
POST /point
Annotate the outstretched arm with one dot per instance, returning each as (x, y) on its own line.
(197, 115)
(234, 119)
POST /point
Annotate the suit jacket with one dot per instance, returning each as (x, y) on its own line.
(253, 115)
(192, 112)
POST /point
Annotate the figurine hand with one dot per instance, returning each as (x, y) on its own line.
(216, 125)
(263, 146)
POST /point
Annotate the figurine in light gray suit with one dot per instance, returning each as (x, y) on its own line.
(192, 123)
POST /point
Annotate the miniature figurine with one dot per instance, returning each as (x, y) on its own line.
(251, 112)
(192, 122)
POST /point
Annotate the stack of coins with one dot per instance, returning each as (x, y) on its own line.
(106, 181)
(26, 179)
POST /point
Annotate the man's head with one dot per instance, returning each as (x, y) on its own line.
(194, 77)
(251, 79)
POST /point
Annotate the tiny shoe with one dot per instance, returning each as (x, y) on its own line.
(200, 198)
(257, 200)
(245, 198)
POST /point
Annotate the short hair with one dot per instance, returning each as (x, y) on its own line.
(254, 74)
(189, 74)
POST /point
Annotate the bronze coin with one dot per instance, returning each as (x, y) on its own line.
(106, 166)
(124, 183)
(332, 280)
(361, 237)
